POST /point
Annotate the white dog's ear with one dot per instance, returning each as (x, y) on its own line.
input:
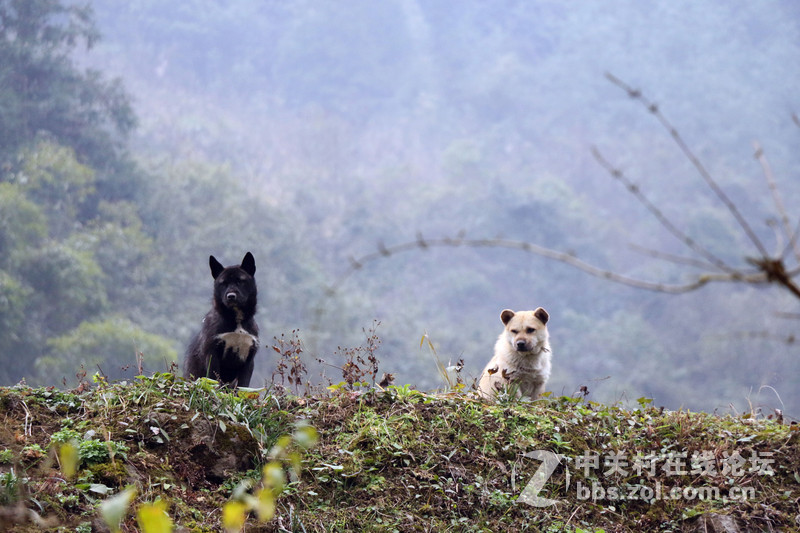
(542, 315)
(507, 315)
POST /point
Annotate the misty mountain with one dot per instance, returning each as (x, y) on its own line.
(312, 133)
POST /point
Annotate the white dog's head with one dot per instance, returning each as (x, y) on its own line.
(526, 331)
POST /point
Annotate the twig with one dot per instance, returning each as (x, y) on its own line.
(653, 108)
(671, 258)
(28, 424)
(773, 188)
(780, 248)
(567, 258)
(793, 240)
(659, 215)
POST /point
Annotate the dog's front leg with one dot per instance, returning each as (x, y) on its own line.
(246, 371)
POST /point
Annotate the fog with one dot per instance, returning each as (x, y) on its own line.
(365, 124)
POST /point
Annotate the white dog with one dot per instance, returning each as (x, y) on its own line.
(521, 355)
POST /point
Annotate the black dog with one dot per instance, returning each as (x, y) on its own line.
(226, 346)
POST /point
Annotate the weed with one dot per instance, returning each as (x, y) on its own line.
(451, 373)
(262, 499)
(403, 393)
(64, 436)
(32, 452)
(361, 361)
(9, 487)
(290, 367)
(68, 501)
(94, 451)
(6, 456)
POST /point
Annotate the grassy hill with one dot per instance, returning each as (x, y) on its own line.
(391, 459)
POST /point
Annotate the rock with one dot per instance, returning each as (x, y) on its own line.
(213, 450)
(221, 452)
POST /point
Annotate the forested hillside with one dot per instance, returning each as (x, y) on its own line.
(140, 137)
(99, 250)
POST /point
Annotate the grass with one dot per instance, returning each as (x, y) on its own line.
(392, 459)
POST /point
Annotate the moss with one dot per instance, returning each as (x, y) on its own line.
(111, 474)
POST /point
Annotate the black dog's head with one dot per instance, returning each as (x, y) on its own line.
(234, 286)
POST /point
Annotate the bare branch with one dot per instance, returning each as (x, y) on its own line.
(776, 197)
(672, 258)
(653, 108)
(793, 240)
(775, 272)
(567, 258)
(766, 270)
(786, 339)
(780, 247)
(792, 273)
(659, 215)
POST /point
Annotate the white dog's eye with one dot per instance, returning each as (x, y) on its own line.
(531, 330)
(514, 331)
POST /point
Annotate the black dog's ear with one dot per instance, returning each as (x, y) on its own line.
(249, 264)
(216, 267)
(542, 315)
(507, 315)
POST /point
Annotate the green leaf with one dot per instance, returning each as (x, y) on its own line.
(99, 488)
(274, 476)
(233, 516)
(68, 458)
(265, 504)
(153, 518)
(305, 435)
(114, 509)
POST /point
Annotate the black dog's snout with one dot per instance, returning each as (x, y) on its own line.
(231, 296)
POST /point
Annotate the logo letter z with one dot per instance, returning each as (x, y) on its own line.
(530, 494)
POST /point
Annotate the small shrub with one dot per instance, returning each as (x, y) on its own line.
(64, 436)
(6, 457)
(361, 361)
(32, 452)
(290, 366)
(94, 451)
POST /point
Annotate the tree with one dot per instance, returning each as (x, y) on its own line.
(43, 93)
(780, 267)
(22, 223)
(51, 176)
(111, 346)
